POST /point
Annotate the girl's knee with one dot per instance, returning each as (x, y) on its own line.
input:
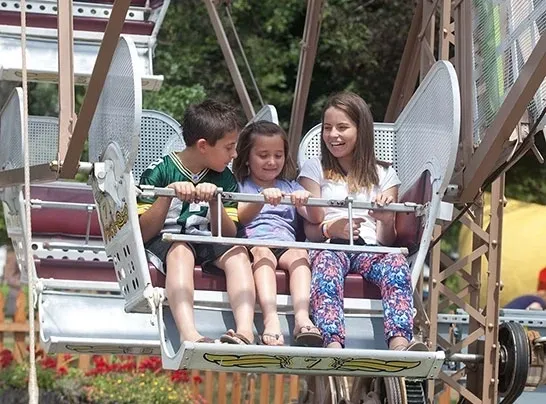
(261, 253)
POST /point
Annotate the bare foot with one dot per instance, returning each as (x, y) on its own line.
(334, 344)
(272, 334)
(268, 338)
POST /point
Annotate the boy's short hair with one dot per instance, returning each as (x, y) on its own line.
(210, 120)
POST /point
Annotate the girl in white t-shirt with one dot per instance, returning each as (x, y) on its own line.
(348, 167)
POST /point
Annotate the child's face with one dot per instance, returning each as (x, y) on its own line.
(339, 132)
(266, 158)
(218, 157)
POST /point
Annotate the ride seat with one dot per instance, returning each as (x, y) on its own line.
(90, 18)
(80, 23)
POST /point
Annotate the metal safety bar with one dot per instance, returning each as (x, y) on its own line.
(408, 207)
(71, 246)
(283, 244)
(151, 191)
(38, 203)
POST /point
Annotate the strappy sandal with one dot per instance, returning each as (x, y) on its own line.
(309, 338)
(276, 337)
(414, 346)
(231, 337)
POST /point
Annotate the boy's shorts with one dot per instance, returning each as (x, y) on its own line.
(205, 254)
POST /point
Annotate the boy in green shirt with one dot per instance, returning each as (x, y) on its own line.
(210, 131)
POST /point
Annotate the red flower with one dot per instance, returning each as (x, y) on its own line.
(49, 363)
(180, 376)
(152, 363)
(197, 379)
(62, 371)
(6, 357)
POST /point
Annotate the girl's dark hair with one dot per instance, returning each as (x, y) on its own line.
(363, 171)
(246, 142)
(210, 120)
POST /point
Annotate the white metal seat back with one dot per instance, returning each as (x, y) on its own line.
(423, 139)
(115, 133)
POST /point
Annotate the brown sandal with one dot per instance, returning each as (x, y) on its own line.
(309, 338)
(231, 337)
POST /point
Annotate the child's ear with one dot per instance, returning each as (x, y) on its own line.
(201, 145)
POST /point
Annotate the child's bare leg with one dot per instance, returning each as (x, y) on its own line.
(240, 288)
(296, 262)
(398, 343)
(264, 267)
(179, 288)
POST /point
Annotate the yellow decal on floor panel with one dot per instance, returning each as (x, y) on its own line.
(309, 363)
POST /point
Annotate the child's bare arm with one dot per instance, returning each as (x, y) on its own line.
(229, 229)
(152, 221)
(386, 230)
(206, 192)
(312, 214)
(247, 211)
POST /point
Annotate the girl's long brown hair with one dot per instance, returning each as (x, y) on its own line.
(246, 142)
(363, 170)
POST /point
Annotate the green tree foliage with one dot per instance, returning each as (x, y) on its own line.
(359, 49)
(526, 181)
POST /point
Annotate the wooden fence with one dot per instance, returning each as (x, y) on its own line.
(214, 387)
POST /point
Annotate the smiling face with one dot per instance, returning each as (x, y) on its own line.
(218, 157)
(266, 159)
(339, 133)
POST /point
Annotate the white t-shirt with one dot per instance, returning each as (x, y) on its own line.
(388, 178)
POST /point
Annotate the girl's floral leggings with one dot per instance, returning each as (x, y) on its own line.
(389, 272)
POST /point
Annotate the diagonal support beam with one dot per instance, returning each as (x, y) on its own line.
(483, 160)
(408, 69)
(308, 54)
(96, 83)
(67, 115)
(230, 59)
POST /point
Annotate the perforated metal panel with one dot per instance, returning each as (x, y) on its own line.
(505, 32)
(118, 114)
(426, 129)
(43, 135)
(11, 131)
(159, 135)
(384, 144)
(266, 113)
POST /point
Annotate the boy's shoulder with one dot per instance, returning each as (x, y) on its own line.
(219, 178)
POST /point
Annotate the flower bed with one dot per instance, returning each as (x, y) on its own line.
(118, 380)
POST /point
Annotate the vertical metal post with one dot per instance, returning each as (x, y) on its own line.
(474, 372)
(219, 213)
(230, 59)
(464, 67)
(308, 54)
(433, 301)
(427, 37)
(491, 345)
(444, 38)
(66, 75)
(350, 214)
